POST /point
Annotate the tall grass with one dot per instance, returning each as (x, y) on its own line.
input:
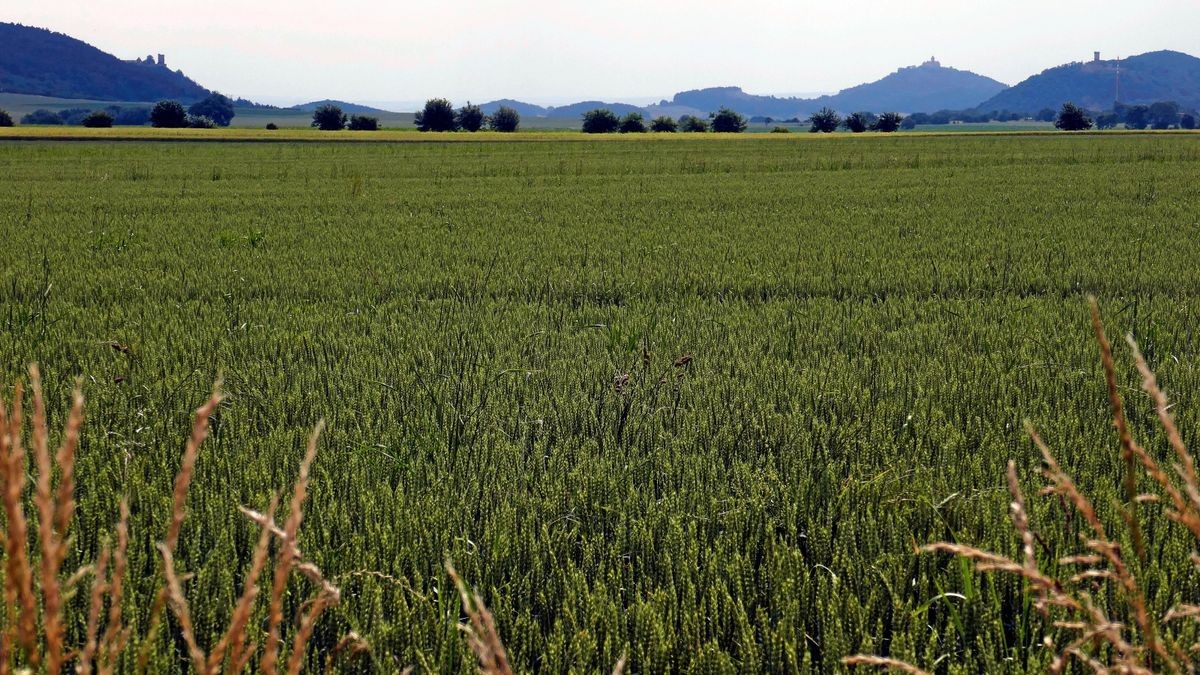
(486, 327)
(33, 632)
(1099, 613)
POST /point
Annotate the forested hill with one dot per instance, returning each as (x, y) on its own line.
(924, 88)
(39, 61)
(1144, 79)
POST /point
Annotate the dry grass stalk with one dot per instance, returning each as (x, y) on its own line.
(116, 637)
(18, 575)
(41, 636)
(286, 557)
(1099, 642)
(179, 605)
(481, 633)
(234, 639)
(183, 481)
(352, 645)
(881, 662)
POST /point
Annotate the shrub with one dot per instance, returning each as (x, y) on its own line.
(364, 123)
(201, 122)
(41, 116)
(726, 121)
(168, 115)
(633, 123)
(329, 117)
(505, 120)
(888, 122)
(6, 120)
(130, 117)
(1073, 118)
(271, 126)
(98, 119)
(469, 118)
(692, 124)
(438, 115)
(664, 124)
(216, 107)
(825, 121)
(74, 116)
(600, 121)
(858, 122)
(781, 130)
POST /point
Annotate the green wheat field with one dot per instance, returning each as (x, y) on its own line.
(693, 402)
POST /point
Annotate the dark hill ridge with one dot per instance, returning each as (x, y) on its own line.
(349, 108)
(42, 62)
(924, 88)
(1145, 78)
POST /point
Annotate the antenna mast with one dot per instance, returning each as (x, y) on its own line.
(1118, 88)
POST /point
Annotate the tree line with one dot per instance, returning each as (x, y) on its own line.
(1161, 115)
(725, 120)
(212, 111)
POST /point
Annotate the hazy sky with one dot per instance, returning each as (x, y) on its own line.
(543, 51)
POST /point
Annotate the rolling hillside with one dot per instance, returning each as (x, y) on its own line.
(44, 63)
(1146, 78)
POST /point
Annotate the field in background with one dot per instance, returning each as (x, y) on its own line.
(690, 401)
(255, 118)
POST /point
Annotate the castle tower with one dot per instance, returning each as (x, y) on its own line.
(162, 60)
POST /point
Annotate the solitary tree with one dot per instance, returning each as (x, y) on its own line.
(364, 123)
(664, 124)
(168, 115)
(437, 115)
(470, 117)
(888, 122)
(329, 117)
(6, 120)
(600, 121)
(727, 121)
(857, 122)
(824, 120)
(505, 119)
(692, 124)
(1073, 118)
(216, 107)
(633, 123)
(98, 119)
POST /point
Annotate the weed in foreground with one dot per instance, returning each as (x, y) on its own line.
(1130, 639)
(33, 634)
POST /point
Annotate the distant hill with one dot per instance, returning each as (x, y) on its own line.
(351, 108)
(523, 109)
(575, 110)
(41, 62)
(924, 88)
(1146, 78)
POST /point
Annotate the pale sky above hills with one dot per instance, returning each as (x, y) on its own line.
(553, 52)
